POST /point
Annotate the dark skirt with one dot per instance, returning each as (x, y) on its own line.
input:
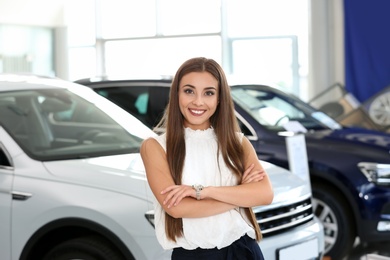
(245, 248)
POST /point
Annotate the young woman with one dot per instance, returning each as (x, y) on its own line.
(203, 172)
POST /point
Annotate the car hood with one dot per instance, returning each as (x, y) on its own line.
(126, 174)
(353, 137)
(285, 184)
(119, 173)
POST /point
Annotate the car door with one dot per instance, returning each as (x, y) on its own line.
(6, 179)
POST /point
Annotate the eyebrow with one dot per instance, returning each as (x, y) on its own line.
(206, 88)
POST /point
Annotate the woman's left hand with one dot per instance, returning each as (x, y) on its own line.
(176, 193)
(251, 175)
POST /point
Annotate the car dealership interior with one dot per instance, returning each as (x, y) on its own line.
(82, 83)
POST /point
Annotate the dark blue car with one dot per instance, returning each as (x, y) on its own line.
(349, 167)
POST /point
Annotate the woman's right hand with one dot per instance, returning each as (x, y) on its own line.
(176, 193)
(252, 176)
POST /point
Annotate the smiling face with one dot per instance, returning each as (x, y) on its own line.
(198, 99)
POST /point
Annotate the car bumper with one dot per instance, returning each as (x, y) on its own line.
(303, 241)
(374, 222)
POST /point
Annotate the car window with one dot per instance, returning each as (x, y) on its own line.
(52, 124)
(271, 110)
(141, 103)
(4, 161)
(244, 129)
(147, 103)
(126, 98)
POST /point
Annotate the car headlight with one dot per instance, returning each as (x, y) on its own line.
(376, 172)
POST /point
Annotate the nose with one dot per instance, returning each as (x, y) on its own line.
(198, 100)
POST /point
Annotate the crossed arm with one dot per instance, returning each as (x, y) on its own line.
(179, 200)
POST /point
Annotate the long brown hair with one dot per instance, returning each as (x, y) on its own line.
(225, 126)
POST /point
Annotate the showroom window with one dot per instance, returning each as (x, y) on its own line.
(82, 34)
(252, 39)
(271, 60)
(269, 42)
(126, 19)
(160, 56)
(157, 36)
(180, 17)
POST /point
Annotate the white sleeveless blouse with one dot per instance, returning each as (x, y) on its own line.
(201, 167)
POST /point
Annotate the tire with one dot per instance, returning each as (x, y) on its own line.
(333, 212)
(379, 109)
(83, 248)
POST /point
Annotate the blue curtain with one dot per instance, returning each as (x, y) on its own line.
(367, 46)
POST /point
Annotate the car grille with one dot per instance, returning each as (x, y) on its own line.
(282, 218)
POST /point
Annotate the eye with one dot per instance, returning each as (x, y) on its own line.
(188, 91)
(209, 93)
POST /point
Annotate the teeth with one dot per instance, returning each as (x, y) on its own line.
(197, 111)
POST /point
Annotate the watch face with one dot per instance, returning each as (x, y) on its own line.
(197, 187)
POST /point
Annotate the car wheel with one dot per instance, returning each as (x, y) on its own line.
(84, 248)
(332, 211)
(379, 109)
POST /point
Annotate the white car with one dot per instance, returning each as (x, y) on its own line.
(73, 186)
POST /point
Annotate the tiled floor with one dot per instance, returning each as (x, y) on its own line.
(379, 249)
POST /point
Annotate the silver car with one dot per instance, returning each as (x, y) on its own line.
(73, 186)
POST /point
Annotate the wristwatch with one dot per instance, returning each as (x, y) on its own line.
(197, 188)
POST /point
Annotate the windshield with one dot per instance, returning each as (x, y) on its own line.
(58, 124)
(273, 110)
